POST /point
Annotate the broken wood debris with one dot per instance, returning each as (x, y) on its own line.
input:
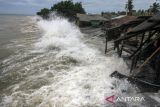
(140, 39)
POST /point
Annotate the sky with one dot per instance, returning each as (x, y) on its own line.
(91, 6)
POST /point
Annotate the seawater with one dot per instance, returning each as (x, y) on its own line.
(53, 66)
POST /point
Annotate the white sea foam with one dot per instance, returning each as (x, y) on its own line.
(84, 83)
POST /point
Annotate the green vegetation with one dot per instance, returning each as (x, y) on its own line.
(69, 9)
(44, 13)
(154, 8)
(66, 8)
(129, 6)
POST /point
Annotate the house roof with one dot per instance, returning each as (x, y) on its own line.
(91, 17)
(119, 17)
(129, 21)
(148, 25)
(135, 22)
(122, 19)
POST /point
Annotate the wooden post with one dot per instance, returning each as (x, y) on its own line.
(139, 48)
(142, 39)
(106, 41)
(120, 53)
(134, 63)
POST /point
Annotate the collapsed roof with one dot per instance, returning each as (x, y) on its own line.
(150, 24)
(122, 19)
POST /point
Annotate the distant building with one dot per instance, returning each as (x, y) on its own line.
(106, 15)
(122, 13)
(94, 20)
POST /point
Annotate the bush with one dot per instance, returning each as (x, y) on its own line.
(65, 8)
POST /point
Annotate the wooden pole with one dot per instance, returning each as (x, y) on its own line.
(150, 57)
(143, 43)
(106, 41)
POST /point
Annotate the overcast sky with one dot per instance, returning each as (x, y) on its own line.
(91, 6)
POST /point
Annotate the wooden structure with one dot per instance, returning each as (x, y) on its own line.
(116, 32)
(140, 40)
(120, 20)
(147, 32)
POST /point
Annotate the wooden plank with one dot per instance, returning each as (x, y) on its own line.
(130, 47)
(150, 57)
(128, 51)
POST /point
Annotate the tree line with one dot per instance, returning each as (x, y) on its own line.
(67, 9)
(153, 9)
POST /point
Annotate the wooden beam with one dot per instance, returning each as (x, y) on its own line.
(139, 48)
(150, 57)
(106, 46)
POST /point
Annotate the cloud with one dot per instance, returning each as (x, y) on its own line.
(113, 5)
(27, 2)
(91, 6)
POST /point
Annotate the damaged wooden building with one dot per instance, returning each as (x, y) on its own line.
(138, 42)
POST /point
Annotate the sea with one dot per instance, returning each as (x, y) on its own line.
(52, 63)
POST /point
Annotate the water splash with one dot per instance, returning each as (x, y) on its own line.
(63, 71)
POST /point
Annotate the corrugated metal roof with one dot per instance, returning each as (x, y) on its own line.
(85, 17)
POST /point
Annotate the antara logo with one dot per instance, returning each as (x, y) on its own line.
(112, 99)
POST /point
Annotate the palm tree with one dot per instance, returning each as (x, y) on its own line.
(154, 8)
